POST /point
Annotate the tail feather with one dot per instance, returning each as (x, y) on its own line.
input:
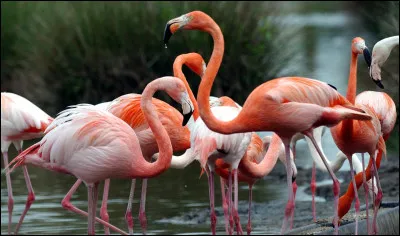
(207, 145)
(351, 112)
(20, 159)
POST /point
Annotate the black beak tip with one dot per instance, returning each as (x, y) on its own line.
(167, 33)
(379, 83)
(186, 118)
(367, 57)
(293, 179)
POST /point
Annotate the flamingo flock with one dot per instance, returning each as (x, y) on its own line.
(134, 136)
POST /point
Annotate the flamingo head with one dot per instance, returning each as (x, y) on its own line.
(358, 47)
(192, 20)
(176, 90)
(195, 62)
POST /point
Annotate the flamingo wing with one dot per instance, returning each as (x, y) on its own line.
(20, 118)
(89, 142)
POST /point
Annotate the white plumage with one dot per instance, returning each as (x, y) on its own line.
(234, 145)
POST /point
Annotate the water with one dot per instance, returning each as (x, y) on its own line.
(176, 192)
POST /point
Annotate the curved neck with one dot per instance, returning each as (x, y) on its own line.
(177, 67)
(352, 83)
(207, 81)
(255, 170)
(180, 162)
(149, 170)
(391, 42)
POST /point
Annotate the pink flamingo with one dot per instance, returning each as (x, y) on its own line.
(127, 108)
(254, 153)
(384, 109)
(275, 105)
(20, 120)
(364, 136)
(95, 145)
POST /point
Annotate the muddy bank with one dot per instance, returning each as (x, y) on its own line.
(267, 216)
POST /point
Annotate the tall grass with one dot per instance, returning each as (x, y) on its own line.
(62, 53)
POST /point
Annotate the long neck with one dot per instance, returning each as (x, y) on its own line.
(177, 67)
(352, 83)
(180, 162)
(207, 81)
(267, 164)
(160, 134)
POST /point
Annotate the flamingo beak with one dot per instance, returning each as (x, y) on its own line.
(187, 108)
(367, 57)
(186, 118)
(379, 83)
(167, 33)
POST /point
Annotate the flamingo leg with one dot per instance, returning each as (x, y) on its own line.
(294, 203)
(366, 191)
(336, 184)
(10, 193)
(230, 203)
(142, 214)
(66, 204)
(313, 188)
(213, 217)
(29, 200)
(290, 204)
(103, 210)
(373, 196)
(357, 203)
(128, 214)
(92, 203)
(249, 217)
(224, 205)
(294, 185)
(379, 196)
(236, 204)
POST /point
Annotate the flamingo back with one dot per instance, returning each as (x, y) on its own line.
(384, 107)
(21, 119)
(127, 108)
(303, 90)
(103, 105)
(90, 143)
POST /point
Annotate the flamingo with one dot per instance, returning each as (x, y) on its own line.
(127, 108)
(364, 135)
(254, 153)
(95, 145)
(285, 106)
(20, 120)
(380, 54)
(385, 110)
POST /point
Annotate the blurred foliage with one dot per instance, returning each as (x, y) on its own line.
(381, 19)
(62, 53)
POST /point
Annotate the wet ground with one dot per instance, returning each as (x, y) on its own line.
(267, 216)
